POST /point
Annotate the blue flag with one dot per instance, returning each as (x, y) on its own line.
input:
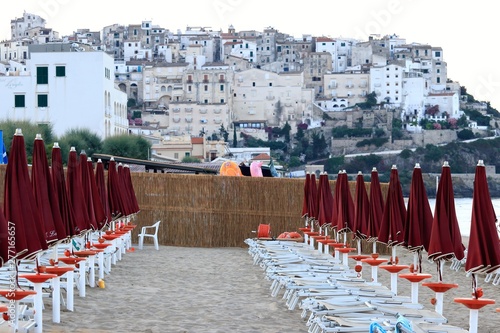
(4, 158)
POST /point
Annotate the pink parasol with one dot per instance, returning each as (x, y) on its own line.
(75, 192)
(45, 195)
(418, 218)
(19, 202)
(61, 193)
(100, 214)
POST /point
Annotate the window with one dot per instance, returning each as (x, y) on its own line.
(221, 87)
(205, 87)
(43, 101)
(189, 88)
(42, 75)
(438, 53)
(253, 84)
(206, 101)
(438, 80)
(19, 101)
(60, 71)
(222, 101)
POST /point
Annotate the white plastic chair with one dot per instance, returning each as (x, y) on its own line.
(153, 235)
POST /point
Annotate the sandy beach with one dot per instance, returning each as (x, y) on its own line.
(190, 290)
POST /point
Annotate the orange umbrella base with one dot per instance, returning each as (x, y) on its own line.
(440, 287)
(4, 308)
(304, 229)
(474, 303)
(359, 257)
(85, 253)
(58, 270)
(374, 261)
(16, 295)
(394, 268)
(345, 249)
(111, 236)
(101, 245)
(336, 245)
(38, 277)
(70, 260)
(415, 277)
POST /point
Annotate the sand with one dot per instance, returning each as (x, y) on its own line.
(190, 290)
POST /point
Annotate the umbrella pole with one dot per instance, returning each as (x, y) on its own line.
(359, 246)
(374, 247)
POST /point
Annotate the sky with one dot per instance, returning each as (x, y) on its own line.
(465, 30)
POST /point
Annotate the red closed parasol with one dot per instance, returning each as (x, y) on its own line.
(130, 189)
(345, 206)
(101, 189)
(19, 202)
(115, 199)
(445, 239)
(418, 218)
(75, 192)
(99, 213)
(361, 209)
(325, 199)
(45, 197)
(392, 223)
(376, 209)
(61, 193)
(483, 252)
(87, 190)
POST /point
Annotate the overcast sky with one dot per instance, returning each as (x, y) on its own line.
(465, 30)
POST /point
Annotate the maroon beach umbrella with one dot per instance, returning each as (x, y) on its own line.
(313, 199)
(131, 191)
(305, 201)
(115, 199)
(483, 252)
(419, 215)
(325, 199)
(336, 197)
(45, 195)
(99, 213)
(445, 240)
(101, 189)
(376, 206)
(361, 211)
(392, 223)
(20, 207)
(61, 193)
(87, 190)
(75, 192)
(345, 206)
(127, 202)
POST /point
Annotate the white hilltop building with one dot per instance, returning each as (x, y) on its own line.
(67, 88)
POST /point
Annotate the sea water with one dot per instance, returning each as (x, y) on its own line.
(463, 208)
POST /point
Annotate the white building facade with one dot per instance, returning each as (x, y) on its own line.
(67, 90)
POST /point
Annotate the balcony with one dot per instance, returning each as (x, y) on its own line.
(188, 109)
(189, 119)
(205, 81)
(269, 98)
(189, 81)
(203, 111)
(217, 111)
(176, 110)
(332, 86)
(222, 81)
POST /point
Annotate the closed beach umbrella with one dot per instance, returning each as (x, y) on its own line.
(101, 189)
(61, 192)
(99, 213)
(87, 190)
(445, 239)
(130, 189)
(325, 199)
(419, 216)
(361, 209)
(115, 199)
(376, 209)
(45, 196)
(312, 201)
(392, 223)
(75, 192)
(127, 203)
(483, 252)
(345, 206)
(20, 207)
(305, 205)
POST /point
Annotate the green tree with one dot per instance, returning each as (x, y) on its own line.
(334, 164)
(224, 133)
(319, 145)
(465, 134)
(81, 139)
(132, 146)
(29, 131)
(294, 162)
(190, 159)
(286, 132)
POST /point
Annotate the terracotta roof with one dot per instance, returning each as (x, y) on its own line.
(324, 39)
(196, 140)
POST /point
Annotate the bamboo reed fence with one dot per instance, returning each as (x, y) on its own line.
(216, 211)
